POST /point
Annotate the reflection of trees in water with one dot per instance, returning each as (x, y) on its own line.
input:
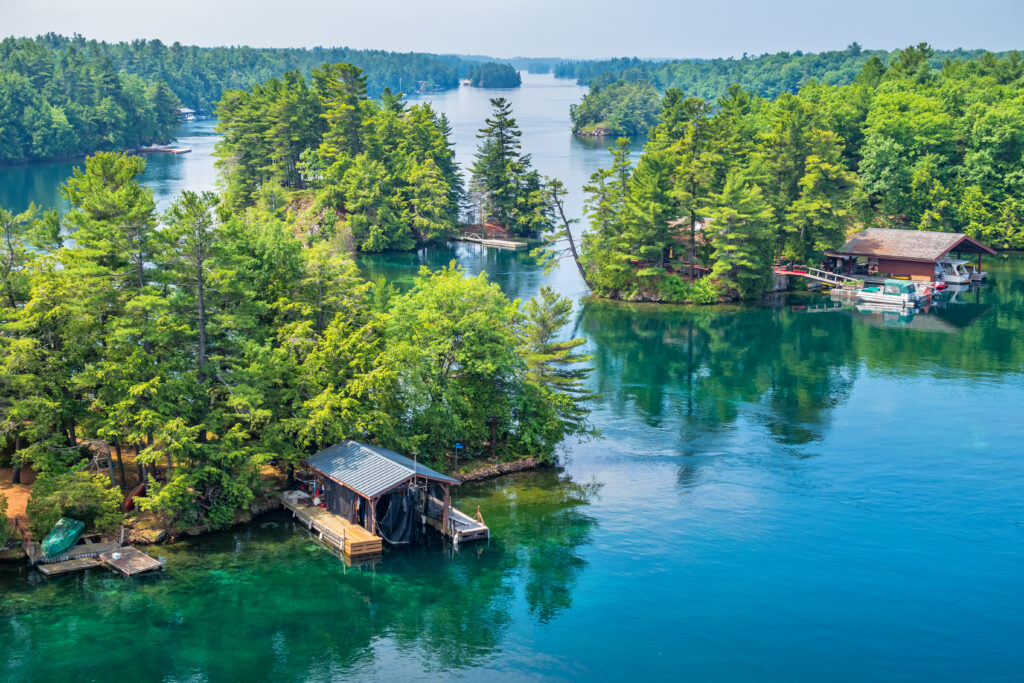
(262, 603)
(708, 366)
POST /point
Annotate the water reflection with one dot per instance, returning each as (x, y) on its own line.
(706, 367)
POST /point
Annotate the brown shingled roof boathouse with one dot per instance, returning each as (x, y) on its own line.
(919, 255)
(355, 495)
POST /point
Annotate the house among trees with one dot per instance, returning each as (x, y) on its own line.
(914, 254)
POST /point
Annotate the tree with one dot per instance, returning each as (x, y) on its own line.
(649, 207)
(555, 365)
(817, 220)
(741, 223)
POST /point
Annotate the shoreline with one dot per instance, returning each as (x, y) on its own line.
(147, 530)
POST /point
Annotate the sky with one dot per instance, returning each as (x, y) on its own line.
(536, 28)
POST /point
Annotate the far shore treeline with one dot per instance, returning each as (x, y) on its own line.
(726, 188)
(67, 97)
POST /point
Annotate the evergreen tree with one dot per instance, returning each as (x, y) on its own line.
(741, 225)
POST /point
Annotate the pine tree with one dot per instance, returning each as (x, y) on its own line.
(557, 366)
(740, 227)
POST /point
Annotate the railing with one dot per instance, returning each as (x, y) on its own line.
(817, 274)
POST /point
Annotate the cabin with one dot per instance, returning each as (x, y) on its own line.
(358, 494)
(920, 255)
(186, 114)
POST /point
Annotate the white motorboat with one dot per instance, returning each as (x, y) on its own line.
(953, 271)
(901, 293)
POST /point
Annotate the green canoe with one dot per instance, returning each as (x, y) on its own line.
(63, 537)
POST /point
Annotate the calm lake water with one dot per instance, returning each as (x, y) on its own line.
(782, 492)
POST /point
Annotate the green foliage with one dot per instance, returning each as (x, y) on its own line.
(78, 495)
(225, 340)
(59, 99)
(505, 188)
(493, 75)
(382, 175)
(904, 145)
(767, 75)
(620, 108)
(6, 527)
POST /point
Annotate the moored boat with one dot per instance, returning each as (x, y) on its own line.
(900, 293)
(63, 537)
(953, 271)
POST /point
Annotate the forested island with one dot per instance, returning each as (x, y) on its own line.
(212, 341)
(725, 189)
(494, 75)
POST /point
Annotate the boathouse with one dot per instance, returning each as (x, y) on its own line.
(912, 254)
(361, 493)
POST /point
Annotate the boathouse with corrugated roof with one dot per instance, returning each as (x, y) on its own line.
(383, 493)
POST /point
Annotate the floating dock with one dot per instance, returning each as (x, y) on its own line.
(80, 551)
(461, 527)
(69, 566)
(490, 241)
(130, 561)
(339, 533)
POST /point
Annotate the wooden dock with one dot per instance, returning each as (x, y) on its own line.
(461, 527)
(490, 241)
(82, 550)
(339, 533)
(130, 561)
(68, 566)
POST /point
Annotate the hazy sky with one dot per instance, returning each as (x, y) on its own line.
(570, 28)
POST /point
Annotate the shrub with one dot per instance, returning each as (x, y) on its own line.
(78, 495)
(6, 528)
(705, 291)
(675, 289)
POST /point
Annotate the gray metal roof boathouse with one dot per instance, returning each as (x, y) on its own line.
(361, 494)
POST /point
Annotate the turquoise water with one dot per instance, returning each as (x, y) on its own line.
(782, 493)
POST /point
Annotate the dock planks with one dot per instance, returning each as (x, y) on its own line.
(68, 566)
(130, 561)
(350, 538)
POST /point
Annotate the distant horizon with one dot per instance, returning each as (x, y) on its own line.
(472, 55)
(572, 29)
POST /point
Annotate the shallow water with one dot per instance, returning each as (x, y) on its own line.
(781, 493)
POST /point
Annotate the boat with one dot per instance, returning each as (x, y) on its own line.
(975, 274)
(900, 293)
(62, 537)
(953, 271)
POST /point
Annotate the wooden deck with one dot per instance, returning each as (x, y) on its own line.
(129, 560)
(350, 538)
(81, 550)
(490, 241)
(461, 527)
(68, 566)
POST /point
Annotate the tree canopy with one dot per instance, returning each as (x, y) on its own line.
(214, 342)
(723, 189)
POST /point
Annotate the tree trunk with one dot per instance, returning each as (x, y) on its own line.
(120, 461)
(572, 244)
(110, 466)
(693, 245)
